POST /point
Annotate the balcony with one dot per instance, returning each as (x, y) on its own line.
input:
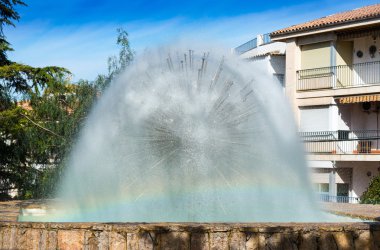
(338, 199)
(252, 44)
(342, 142)
(342, 76)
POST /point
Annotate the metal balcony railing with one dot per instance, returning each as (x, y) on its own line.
(342, 142)
(266, 38)
(338, 199)
(341, 76)
(252, 44)
(246, 46)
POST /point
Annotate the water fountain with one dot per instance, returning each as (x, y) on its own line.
(182, 137)
(177, 147)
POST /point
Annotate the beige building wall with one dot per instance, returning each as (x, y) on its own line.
(341, 176)
(344, 52)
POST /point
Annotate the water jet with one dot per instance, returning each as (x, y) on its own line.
(204, 145)
(192, 138)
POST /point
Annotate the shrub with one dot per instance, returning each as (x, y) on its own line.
(372, 194)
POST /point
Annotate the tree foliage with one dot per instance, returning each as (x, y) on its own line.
(37, 133)
(8, 15)
(41, 114)
(372, 194)
(117, 64)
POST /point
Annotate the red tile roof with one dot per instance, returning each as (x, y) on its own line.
(364, 13)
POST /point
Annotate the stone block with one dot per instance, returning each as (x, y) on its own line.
(1, 236)
(237, 241)
(274, 241)
(175, 241)
(70, 239)
(252, 241)
(34, 241)
(308, 241)
(20, 238)
(90, 240)
(199, 241)
(363, 240)
(117, 241)
(376, 239)
(289, 241)
(147, 240)
(327, 242)
(43, 238)
(104, 240)
(6, 240)
(52, 240)
(218, 241)
(132, 241)
(344, 241)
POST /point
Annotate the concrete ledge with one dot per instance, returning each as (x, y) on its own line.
(347, 157)
(189, 235)
(362, 211)
(354, 90)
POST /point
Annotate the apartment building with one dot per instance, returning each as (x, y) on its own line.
(332, 79)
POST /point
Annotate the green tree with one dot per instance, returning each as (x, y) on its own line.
(372, 194)
(41, 114)
(21, 151)
(117, 64)
(19, 81)
(53, 126)
(8, 15)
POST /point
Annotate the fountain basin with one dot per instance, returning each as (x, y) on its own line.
(26, 235)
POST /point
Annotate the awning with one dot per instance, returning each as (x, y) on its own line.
(358, 98)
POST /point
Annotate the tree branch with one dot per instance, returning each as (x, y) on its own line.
(43, 128)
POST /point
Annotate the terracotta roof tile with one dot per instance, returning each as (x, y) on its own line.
(367, 12)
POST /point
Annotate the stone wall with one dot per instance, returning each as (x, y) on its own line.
(200, 236)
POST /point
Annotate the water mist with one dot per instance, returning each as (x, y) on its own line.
(189, 137)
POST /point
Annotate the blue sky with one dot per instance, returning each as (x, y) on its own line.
(81, 34)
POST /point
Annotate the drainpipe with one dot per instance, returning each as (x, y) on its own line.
(333, 62)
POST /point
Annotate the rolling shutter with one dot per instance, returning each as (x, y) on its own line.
(314, 119)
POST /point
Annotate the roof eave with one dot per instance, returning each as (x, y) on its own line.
(334, 27)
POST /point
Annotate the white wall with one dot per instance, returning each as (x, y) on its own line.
(363, 44)
(338, 117)
(275, 47)
(277, 64)
(366, 74)
(352, 117)
(360, 180)
(344, 117)
(274, 64)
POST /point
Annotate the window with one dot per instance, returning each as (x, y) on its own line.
(322, 187)
(342, 189)
(314, 118)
